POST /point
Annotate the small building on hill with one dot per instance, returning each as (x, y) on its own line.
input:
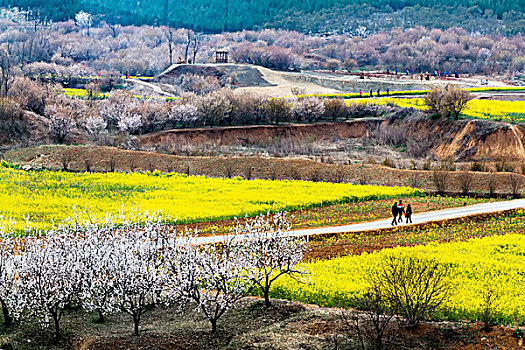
(221, 56)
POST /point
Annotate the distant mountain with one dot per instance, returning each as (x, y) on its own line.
(314, 16)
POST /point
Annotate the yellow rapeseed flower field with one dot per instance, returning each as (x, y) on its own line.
(47, 195)
(506, 111)
(497, 261)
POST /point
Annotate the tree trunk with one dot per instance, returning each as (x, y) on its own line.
(267, 302)
(8, 320)
(56, 322)
(136, 321)
(101, 318)
(213, 325)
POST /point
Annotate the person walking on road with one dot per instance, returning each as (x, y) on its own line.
(400, 211)
(394, 213)
(408, 213)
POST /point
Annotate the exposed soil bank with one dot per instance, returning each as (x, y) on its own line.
(463, 140)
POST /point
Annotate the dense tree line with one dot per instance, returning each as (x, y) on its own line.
(308, 16)
(67, 51)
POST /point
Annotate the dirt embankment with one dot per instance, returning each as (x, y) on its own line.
(253, 135)
(464, 140)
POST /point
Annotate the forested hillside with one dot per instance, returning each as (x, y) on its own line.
(499, 16)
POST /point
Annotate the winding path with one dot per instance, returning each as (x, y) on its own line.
(432, 216)
(157, 89)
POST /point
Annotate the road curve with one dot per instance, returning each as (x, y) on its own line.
(420, 218)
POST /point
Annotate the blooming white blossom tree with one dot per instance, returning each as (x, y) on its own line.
(309, 109)
(7, 267)
(184, 114)
(95, 126)
(60, 121)
(136, 268)
(135, 262)
(222, 277)
(274, 254)
(116, 106)
(46, 279)
(130, 122)
(84, 19)
(95, 256)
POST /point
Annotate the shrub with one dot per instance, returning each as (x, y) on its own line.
(415, 181)
(388, 162)
(414, 287)
(503, 166)
(427, 164)
(88, 163)
(277, 110)
(478, 166)
(447, 102)
(335, 108)
(296, 91)
(199, 84)
(490, 298)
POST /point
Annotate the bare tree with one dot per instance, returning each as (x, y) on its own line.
(7, 66)
(114, 29)
(414, 287)
(440, 178)
(87, 164)
(492, 184)
(168, 33)
(372, 322)
(196, 47)
(228, 169)
(490, 299)
(112, 162)
(66, 158)
(465, 181)
(515, 184)
(188, 44)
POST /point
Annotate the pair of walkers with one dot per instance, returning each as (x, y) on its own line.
(398, 209)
